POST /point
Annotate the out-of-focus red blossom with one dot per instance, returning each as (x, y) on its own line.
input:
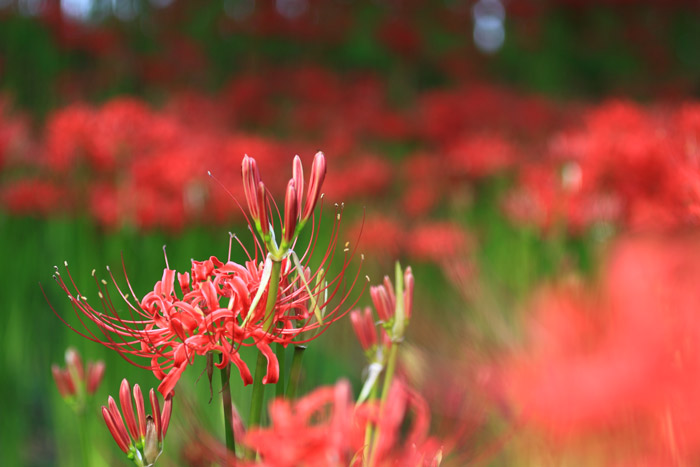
(75, 379)
(624, 163)
(480, 156)
(437, 241)
(423, 184)
(380, 237)
(326, 428)
(35, 197)
(367, 175)
(622, 361)
(400, 36)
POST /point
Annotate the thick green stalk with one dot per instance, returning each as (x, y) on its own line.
(281, 358)
(260, 368)
(369, 430)
(228, 408)
(84, 434)
(295, 372)
(388, 377)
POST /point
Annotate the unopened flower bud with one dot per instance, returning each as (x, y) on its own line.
(74, 364)
(251, 179)
(263, 205)
(298, 177)
(291, 212)
(382, 302)
(363, 325)
(143, 443)
(95, 372)
(63, 381)
(151, 444)
(318, 173)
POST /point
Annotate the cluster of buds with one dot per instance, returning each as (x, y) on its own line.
(142, 437)
(394, 303)
(296, 212)
(75, 382)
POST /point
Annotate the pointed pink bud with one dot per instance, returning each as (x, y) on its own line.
(358, 327)
(251, 179)
(95, 372)
(364, 328)
(128, 408)
(69, 382)
(122, 442)
(263, 205)
(298, 176)
(155, 406)
(140, 410)
(291, 212)
(390, 290)
(408, 292)
(318, 173)
(118, 422)
(370, 328)
(382, 303)
(75, 364)
(167, 412)
(59, 378)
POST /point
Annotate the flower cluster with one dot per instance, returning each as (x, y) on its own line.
(75, 381)
(326, 428)
(142, 437)
(222, 305)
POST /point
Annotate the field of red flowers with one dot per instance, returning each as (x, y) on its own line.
(350, 233)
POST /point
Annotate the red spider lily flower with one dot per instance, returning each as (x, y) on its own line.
(364, 327)
(313, 431)
(221, 305)
(621, 361)
(141, 438)
(75, 380)
(394, 315)
(326, 428)
(395, 446)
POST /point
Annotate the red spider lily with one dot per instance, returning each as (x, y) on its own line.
(384, 298)
(74, 380)
(141, 438)
(622, 361)
(364, 327)
(221, 307)
(326, 428)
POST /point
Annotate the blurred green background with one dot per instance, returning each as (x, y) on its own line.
(54, 54)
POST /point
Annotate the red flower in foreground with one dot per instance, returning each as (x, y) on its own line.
(625, 363)
(326, 428)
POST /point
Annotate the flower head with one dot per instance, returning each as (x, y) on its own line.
(141, 438)
(75, 381)
(221, 306)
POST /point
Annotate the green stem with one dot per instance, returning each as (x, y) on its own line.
(260, 368)
(369, 431)
(228, 408)
(281, 358)
(388, 376)
(295, 372)
(84, 434)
